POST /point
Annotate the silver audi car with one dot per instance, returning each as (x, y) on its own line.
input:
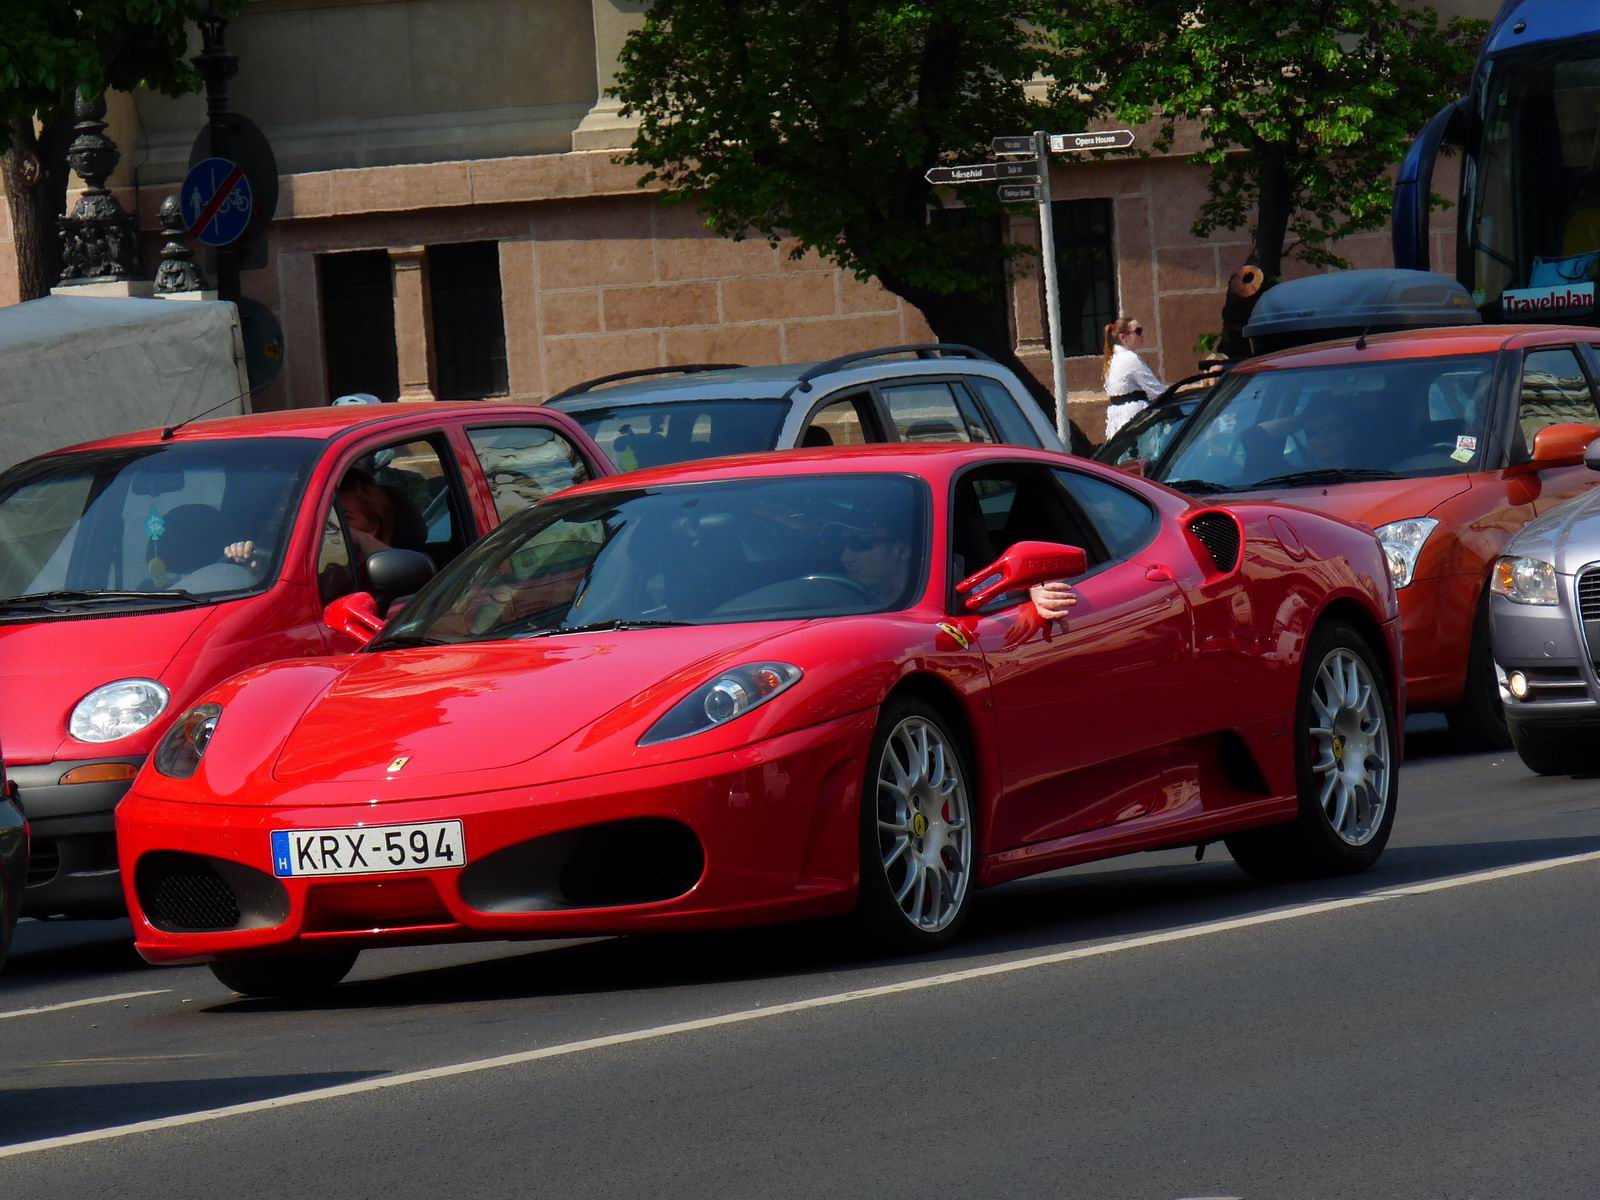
(1545, 609)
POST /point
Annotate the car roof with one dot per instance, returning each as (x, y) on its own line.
(1417, 343)
(313, 423)
(922, 458)
(767, 382)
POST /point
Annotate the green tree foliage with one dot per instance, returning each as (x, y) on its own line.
(50, 52)
(817, 118)
(1302, 106)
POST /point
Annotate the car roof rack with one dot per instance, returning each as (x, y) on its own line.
(578, 389)
(920, 349)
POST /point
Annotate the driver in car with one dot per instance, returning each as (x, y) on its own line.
(368, 514)
(1330, 440)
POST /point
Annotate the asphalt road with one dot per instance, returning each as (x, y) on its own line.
(1150, 1027)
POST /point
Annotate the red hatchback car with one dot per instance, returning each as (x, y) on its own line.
(767, 688)
(1444, 441)
(138, 572)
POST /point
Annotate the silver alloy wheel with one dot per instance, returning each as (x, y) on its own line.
(924, 824)
(1350, 759)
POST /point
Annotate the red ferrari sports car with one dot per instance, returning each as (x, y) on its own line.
(775, 687)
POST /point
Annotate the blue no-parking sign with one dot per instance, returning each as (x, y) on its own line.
(217, 203)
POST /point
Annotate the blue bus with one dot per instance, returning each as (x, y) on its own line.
(1528, 225)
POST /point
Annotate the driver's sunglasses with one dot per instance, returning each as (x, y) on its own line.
(863, 541)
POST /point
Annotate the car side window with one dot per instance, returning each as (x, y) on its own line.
(998, 506)
(1554, 392)
(526, 463)
(1003, 411)
(1125, 523)
(841, 422)
(420, 507)
(334, 575)
(925, 412)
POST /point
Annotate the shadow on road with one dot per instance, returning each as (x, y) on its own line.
(1077, 907)
(67, 950)
(30, 1114)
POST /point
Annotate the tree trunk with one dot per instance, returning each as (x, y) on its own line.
(1273, 211)
(35, 173)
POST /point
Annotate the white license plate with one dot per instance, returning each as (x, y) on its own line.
(368, 851)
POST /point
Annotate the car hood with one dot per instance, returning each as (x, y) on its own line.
(1372, 502)
(46, 667)
(1568, 536)
(450, 710)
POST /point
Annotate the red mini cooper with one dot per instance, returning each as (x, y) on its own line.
(138, 572)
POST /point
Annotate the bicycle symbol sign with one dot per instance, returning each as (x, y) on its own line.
(217, 202)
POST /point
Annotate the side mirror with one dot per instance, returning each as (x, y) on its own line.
(1019, 568)
(394, 573)
(1591, 456)
(355, 615)
(1556, 444)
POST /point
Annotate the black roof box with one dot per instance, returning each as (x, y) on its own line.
(1346, 303)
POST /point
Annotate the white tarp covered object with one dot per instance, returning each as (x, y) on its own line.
(73, 369)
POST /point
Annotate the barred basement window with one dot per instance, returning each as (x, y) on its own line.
(1086, 270)
(358, 324)
(469, 330)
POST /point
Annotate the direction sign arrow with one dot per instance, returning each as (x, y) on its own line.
(1017, 193)
(1105, 139)
(982, 172)
(1012, 145)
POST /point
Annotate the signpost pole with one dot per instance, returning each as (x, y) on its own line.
(1052, 303)
(217, 66)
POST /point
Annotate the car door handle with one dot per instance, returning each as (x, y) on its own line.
(1158, 574)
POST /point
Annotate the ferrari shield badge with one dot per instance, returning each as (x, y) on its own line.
(399, 763)
(960, 637)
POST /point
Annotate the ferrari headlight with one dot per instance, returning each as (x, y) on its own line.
(116, 710)
(1402, 542)
(727, 697)
(180, 751)
(1525, 580)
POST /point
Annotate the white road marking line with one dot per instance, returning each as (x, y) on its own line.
(50, 1008)
(405, 1079)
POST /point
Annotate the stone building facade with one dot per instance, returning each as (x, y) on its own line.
(452, 223)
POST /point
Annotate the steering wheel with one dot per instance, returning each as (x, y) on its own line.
(224, 575)
(843, 581)
(780, 596)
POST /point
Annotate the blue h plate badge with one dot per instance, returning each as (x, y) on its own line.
(280, 853)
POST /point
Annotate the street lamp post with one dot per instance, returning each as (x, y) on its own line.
(217, 67)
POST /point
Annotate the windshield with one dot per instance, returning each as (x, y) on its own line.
(654, 434)
(1533, 188)
(150, 518)
(699, 554)
(1372, 420)
(1148, 434)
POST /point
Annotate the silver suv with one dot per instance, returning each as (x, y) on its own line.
(1545, 608)
(921, 393)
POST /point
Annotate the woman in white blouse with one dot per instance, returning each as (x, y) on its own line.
(1130, 383)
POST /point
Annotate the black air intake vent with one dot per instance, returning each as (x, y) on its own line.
(632, 862)
(183, 893)
(43, 863)
(1219, 534)
(1589, 595)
